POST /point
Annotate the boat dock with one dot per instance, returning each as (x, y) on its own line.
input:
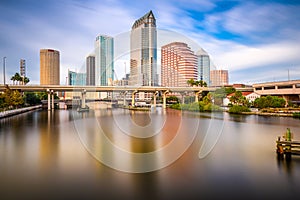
(287, 148)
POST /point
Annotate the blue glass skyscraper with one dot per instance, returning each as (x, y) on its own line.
(104, 64)
(203, 66)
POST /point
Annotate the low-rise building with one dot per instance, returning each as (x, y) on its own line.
(250, 96)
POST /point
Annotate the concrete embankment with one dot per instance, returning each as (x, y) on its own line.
(269, 114)
(9, 113)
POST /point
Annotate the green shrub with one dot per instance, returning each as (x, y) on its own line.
(296, 115)
(238, 109)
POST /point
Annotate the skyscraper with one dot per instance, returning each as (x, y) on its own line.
(90, 70)
(219, 77)
(104, 64)
(143, 51)
(178, 64)
(75, 78)
(203, 66)
(49, 67)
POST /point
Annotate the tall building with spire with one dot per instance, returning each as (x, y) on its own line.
(49, 67)
(203, 66)
(143, 52)
(104, 60)
(178, 65)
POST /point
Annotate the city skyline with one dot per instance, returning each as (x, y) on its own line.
(248, 44)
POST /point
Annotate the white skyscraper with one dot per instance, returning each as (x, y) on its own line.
(143, 51)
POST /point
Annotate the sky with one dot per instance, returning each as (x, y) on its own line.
(255, 40)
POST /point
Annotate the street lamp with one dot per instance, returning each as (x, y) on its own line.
(4, 58)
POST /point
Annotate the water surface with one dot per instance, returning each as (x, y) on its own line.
(60, 154)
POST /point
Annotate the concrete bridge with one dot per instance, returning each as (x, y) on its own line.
(289, 90)
(51, 89)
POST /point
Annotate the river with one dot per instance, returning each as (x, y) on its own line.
(122, 154)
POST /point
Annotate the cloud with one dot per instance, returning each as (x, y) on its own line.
(256, 20)
(265, 34)
(242, 57)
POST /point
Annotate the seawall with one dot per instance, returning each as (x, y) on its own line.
(9, 113)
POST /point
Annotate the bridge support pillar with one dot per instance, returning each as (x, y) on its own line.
(182, 98)
(124, 99)
(49, 99)
(83, 97)
(197, 96)
(165, 99)
(52, 93)
(132, 98)
(154, 98)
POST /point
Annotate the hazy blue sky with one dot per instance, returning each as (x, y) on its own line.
(256, 40)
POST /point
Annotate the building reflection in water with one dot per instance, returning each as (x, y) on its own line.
(151, 141)
(48, 139)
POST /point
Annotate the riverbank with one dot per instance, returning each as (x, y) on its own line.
(268, 114)
(279, 112)
(9, 113)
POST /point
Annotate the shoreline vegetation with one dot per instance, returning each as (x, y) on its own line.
(278, 112)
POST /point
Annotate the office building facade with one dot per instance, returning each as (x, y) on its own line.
(143, 52)
(75, 78)
(49, 67)
(219, 77)
(104, 63)
(178, 65)
(90, 70)
(203, 63)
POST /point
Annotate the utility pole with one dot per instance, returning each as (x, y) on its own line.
(4, 59)
(288, 75)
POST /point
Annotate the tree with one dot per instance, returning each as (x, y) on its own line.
(11, 98)
(172, 99)
(13, 78)
(16, 99)
(32, 98)
(239, 99)
(269, 102)
(26, 80)
(16, 78)
(190, 82)
(236, 98)
(207, 99)
(229, 90)
(201, 83)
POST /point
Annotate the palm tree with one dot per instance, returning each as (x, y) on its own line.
(201, 83)
(18, 78)
(13, 78)
(190, 82)
(26, 80)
